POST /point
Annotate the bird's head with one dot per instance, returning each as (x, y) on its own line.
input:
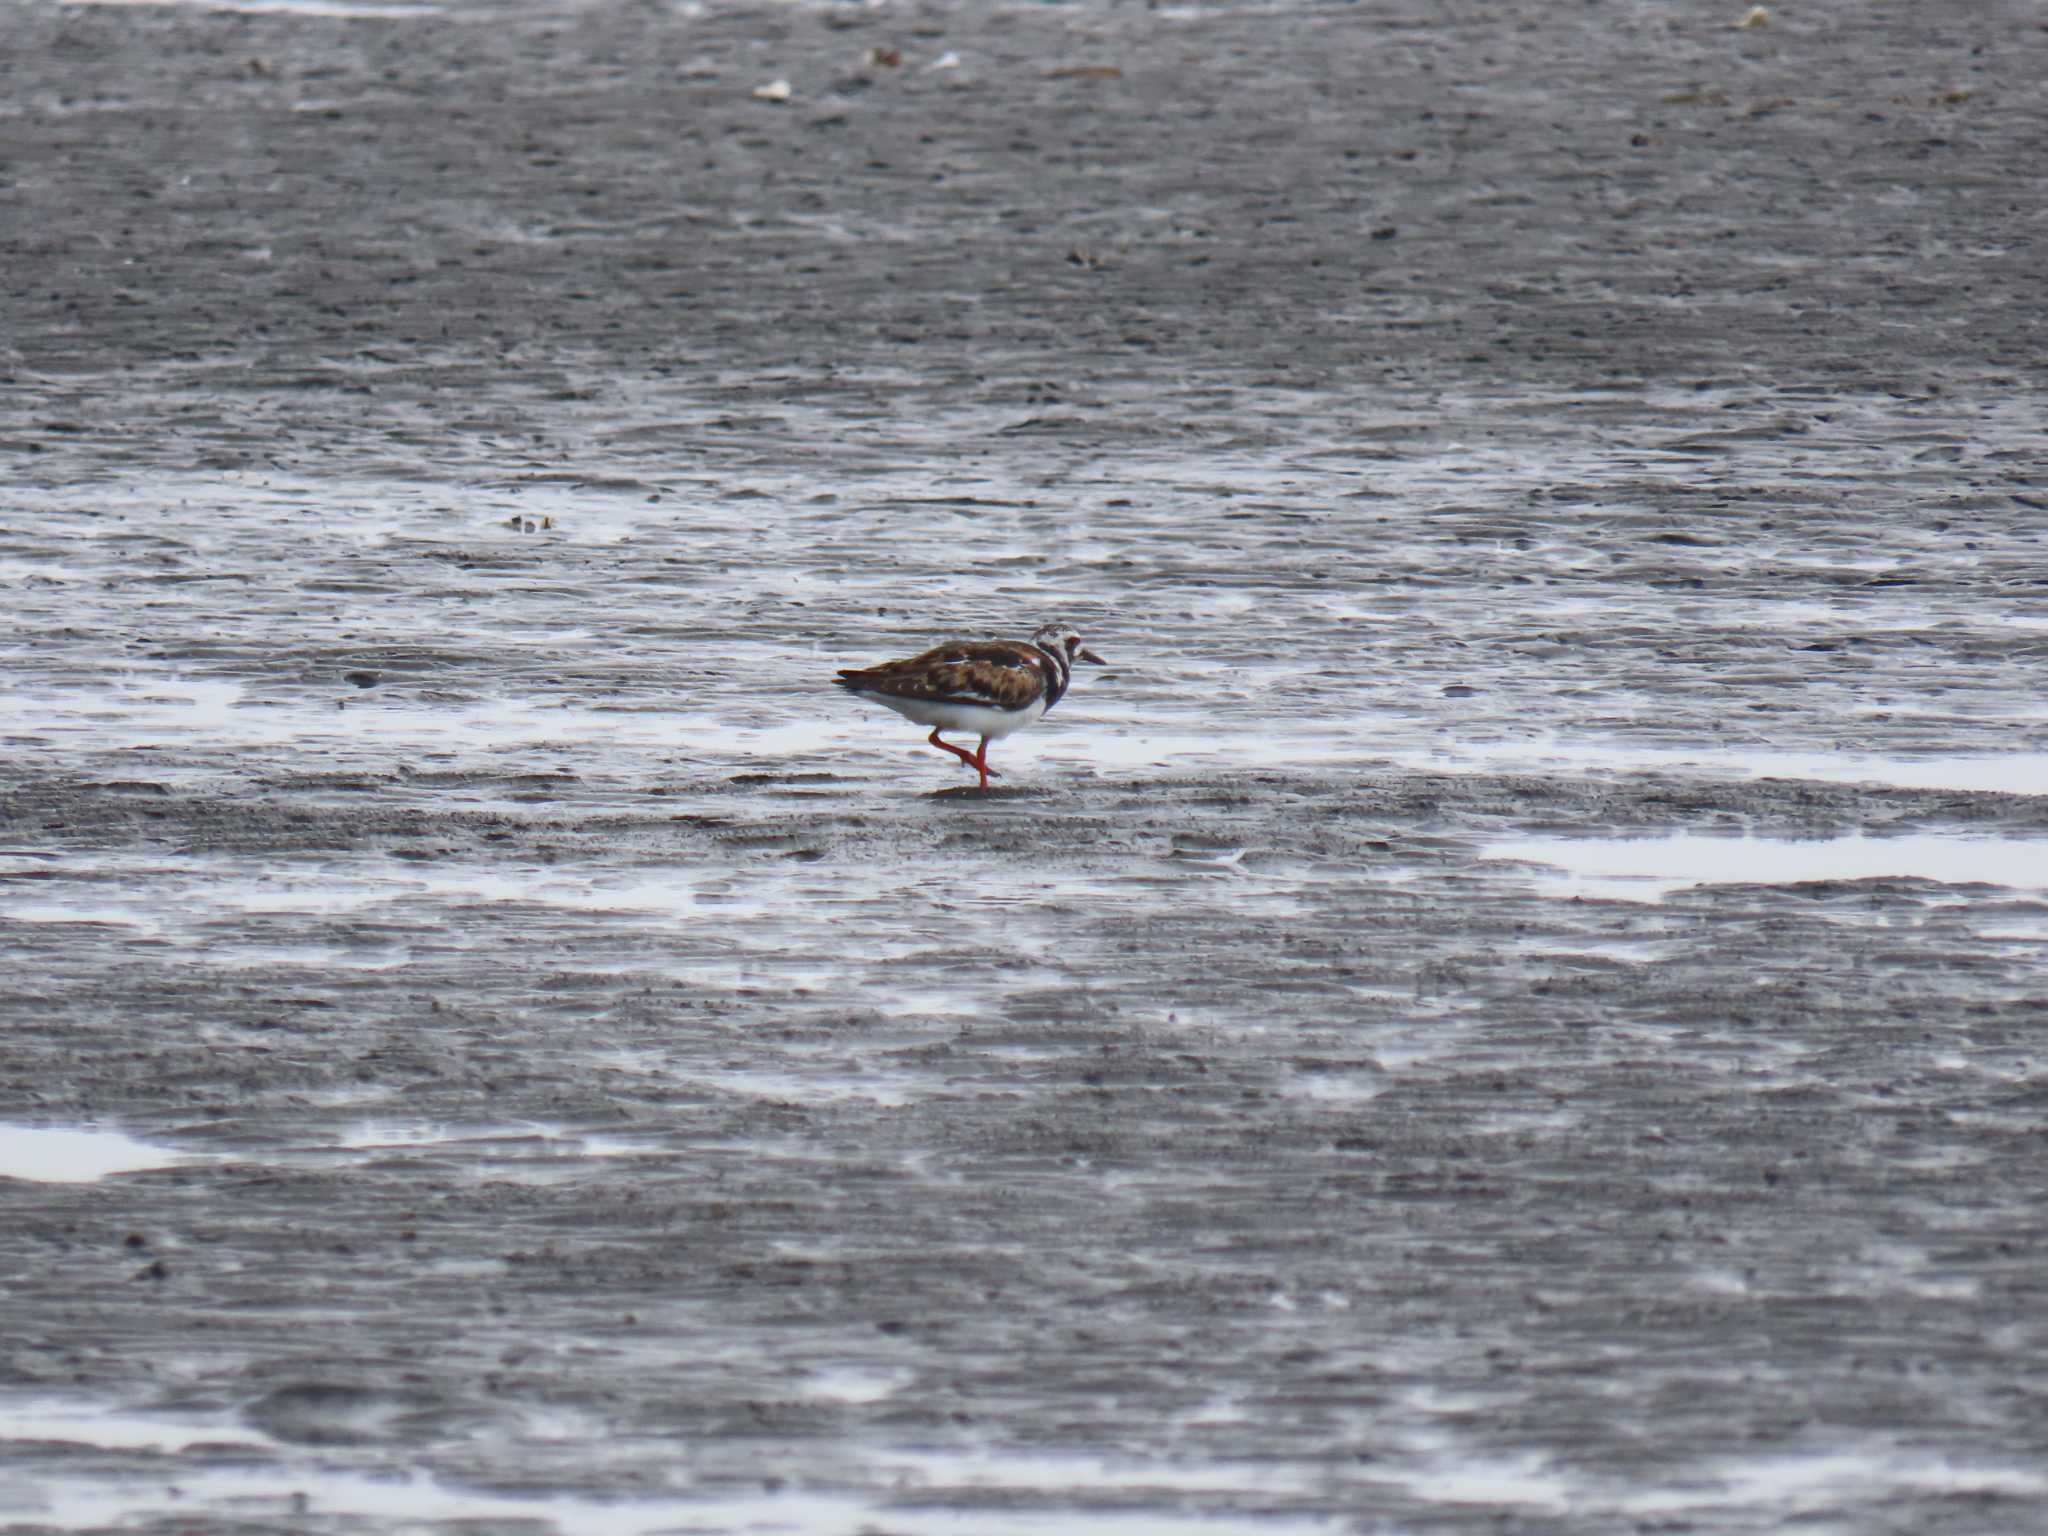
(1065, 640)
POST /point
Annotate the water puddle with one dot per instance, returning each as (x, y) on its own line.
(71, 1421)
(381, 10)
(2022, 928)
(1597, 951)
(1830, 1482)
(1333, 1088)
(302, 1495)
(534, 1153)
(854, 1384)
(506, 1153)
(1441, 1474)
(57, 1155)
(1441, 1467)
(2009, 773)
(884, 1091)
(1391, 741)
(1648, 869)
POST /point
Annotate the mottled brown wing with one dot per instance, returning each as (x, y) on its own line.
(986, 672)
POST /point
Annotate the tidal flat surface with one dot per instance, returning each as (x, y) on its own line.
(1514, 1004)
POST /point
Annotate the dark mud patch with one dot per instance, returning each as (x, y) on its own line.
(1515, 1003)
(1275, 1104)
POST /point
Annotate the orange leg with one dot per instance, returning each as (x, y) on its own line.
(977, 761)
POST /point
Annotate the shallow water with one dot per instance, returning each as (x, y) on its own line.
(1433, 1467)
(1513, 1002)
(1645, 869)
(421, 1504)
(67, 1155)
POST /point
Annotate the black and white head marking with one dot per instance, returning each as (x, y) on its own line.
(1060, 645)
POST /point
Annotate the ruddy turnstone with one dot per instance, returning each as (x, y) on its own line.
(991, 687)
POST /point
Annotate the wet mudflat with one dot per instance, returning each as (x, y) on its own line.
(1515, 1003)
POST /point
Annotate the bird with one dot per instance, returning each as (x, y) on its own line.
(990, 687)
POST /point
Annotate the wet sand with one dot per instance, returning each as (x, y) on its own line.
(1513, 1004)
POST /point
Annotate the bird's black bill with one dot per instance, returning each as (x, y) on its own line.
(1090, 656)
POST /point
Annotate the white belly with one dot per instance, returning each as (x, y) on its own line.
(978, 718)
